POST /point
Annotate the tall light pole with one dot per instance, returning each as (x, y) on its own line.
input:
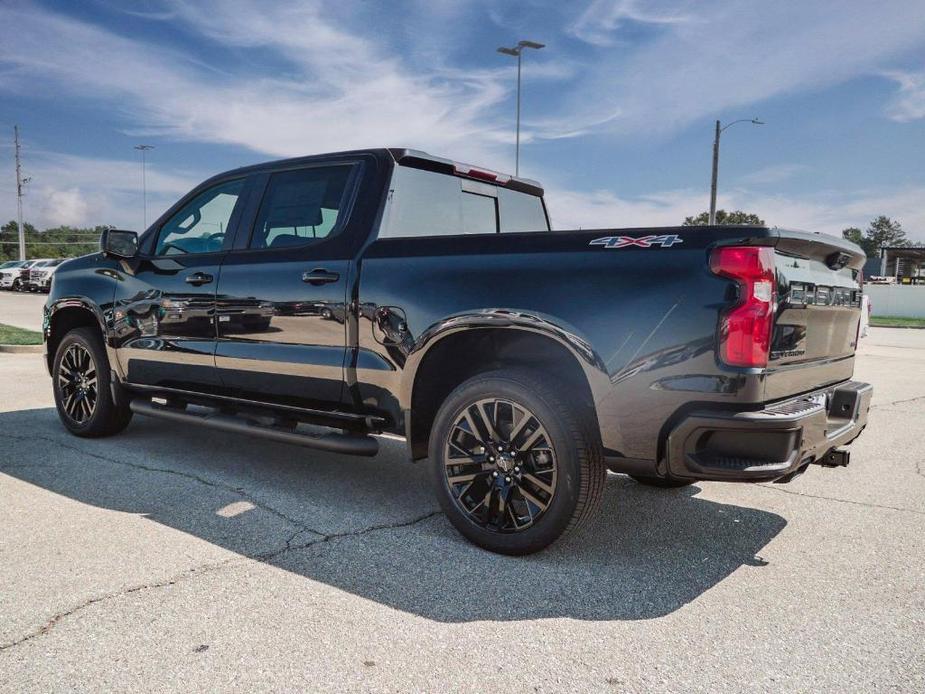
(144, 186)
(719, 131)
(517, 52)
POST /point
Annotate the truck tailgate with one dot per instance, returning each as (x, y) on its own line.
(819, 306)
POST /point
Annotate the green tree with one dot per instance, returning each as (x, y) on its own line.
(855, 235)
(884, 231)
(723, 218)
(57, 242)
(881, 232)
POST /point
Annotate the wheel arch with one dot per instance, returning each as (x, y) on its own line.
(66, 314)
(461, 347)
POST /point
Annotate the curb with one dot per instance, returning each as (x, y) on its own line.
(22, 349)
(900, 327)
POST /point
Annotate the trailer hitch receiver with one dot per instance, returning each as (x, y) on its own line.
(835, 458)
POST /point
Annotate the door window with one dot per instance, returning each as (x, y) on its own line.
(301, 207)
(201, 224)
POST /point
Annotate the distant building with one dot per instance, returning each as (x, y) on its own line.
(904, 265)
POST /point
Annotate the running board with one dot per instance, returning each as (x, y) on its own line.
(334, 443)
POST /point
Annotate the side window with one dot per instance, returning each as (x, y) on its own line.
(201, 224)
(521, 211)
(301, 207)
(426, 203)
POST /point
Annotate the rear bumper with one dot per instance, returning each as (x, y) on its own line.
(770, 444)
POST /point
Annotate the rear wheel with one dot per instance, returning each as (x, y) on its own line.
(514, 464)
(81, 380)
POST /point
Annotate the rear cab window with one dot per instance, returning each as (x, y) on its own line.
(431, 203)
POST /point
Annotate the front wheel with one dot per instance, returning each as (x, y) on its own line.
(514, 464)
(81, 377)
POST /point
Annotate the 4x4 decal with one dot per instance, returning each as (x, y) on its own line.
(665, 241)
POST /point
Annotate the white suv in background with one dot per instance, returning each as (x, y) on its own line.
(40, 275)
(14, 276)
(8, 271)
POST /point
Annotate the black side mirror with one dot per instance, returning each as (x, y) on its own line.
(119, 243)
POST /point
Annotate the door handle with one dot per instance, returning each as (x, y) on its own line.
(198, 278)
(320, 276)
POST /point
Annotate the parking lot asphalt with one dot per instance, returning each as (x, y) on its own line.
(22, 309)
(167, 559)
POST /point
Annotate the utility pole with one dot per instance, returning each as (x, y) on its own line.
(144, 187)
(19, 184)
(719, 131)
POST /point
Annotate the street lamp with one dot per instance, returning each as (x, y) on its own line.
(144, 187)
(719, 131)
(516, 51)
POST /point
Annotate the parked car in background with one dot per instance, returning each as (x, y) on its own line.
(8, 272)
(392, 292)
(14, 277)
(40, 275)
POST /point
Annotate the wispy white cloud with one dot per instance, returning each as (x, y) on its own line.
(602, 20)
(341, 90)
(909, 103)
(775, 173)
(727, 56)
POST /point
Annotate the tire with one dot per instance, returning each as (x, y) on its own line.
(81, 362)
(662, 482)
(551, 485)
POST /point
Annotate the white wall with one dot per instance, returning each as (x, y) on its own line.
(896, 300)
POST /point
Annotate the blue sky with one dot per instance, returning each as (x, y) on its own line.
(618, 108)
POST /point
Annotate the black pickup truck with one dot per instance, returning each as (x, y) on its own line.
(328, 300)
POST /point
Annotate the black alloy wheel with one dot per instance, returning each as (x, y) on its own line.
(78, 383)
(500, 465)
(514, 461)
(84, 393)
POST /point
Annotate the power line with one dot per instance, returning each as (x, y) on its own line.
(50, 243)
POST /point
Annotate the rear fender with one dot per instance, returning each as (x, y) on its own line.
(510, 319)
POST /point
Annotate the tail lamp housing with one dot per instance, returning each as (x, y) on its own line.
(745, 328)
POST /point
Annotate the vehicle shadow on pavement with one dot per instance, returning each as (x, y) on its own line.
(368, 526)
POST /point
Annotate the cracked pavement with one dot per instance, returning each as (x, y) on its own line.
(164, 559)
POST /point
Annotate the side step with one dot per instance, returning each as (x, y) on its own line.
(351, 444)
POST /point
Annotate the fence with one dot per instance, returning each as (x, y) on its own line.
(907, 301)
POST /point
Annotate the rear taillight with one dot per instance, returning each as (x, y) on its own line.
(745, 329)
